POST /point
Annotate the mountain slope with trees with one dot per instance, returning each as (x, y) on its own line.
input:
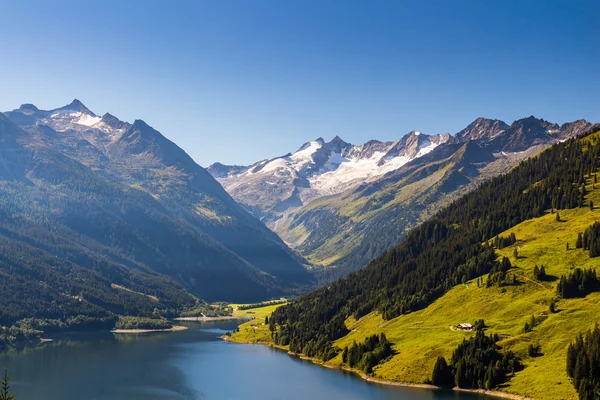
(343, 229)
(99, 217)
(418, 293)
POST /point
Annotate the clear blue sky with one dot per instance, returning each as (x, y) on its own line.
(238, 81)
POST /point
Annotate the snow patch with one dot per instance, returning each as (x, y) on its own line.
(425, 148)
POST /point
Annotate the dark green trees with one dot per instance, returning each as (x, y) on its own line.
(367, 355)
(583, 359)
(578, 283)
(5, 388)
(476, 363)
(591, 239)
(442, 375)
(539, 273)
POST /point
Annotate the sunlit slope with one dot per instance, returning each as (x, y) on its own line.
(420, 337)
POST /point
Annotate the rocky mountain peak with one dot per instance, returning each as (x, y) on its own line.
(113, 121)
(481, 129)
(75, 106)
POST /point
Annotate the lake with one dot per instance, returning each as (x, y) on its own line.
(188, 365)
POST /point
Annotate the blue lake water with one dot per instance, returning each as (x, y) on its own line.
(188, 365)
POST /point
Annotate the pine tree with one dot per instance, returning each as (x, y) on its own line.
(557, 216)
(442, 376)
(579, 242)
(5, 388)
(591, 205)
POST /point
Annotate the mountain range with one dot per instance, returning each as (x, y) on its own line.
(340, 205)
(98, 214)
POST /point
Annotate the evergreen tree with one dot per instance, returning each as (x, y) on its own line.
(583, 358)
(591, 205)
(579, 242)
(5, 388)
(442, 376)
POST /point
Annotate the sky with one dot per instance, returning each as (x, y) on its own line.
(240, 81)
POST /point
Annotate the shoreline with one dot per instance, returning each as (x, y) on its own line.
(223, 318)
(493, 393)
(175, 328)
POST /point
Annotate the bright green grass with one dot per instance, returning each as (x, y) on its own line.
(254, 330)
(420, 337)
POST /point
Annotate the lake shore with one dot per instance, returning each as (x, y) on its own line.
(493, 393)
(175, 328)
(222, 318)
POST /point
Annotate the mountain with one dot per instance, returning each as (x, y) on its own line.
(343, 214)
(272, 187)
(102, 215)
(500, 283)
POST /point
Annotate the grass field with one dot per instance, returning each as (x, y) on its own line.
(420, 337)
(254, 330)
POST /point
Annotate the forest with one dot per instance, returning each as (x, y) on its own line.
(365, 356)
(583, 359)
(476, 364)
(456, 245)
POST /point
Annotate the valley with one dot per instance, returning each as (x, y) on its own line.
(341, 205)
(526, 311)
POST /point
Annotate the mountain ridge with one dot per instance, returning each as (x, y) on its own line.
(346, 227)
(129, 199)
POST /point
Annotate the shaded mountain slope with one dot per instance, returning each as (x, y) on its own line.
(123, 206)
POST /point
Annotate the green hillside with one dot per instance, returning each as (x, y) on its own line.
(423, 330)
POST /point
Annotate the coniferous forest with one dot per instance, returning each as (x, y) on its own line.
(477, 364)
(455, 245)
(583, 359)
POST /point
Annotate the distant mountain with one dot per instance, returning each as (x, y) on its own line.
(272, 187)
(110, 216)
(342, 205)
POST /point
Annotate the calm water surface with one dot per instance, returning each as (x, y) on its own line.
(188, 365)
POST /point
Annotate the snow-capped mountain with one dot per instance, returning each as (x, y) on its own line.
(341, 205)
(317, 169)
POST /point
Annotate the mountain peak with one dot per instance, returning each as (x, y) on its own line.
(76, 106)
(481, 129)
(113, 121)
(28, 106)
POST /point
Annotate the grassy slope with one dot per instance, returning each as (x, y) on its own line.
(255, 330)
(419, 338)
